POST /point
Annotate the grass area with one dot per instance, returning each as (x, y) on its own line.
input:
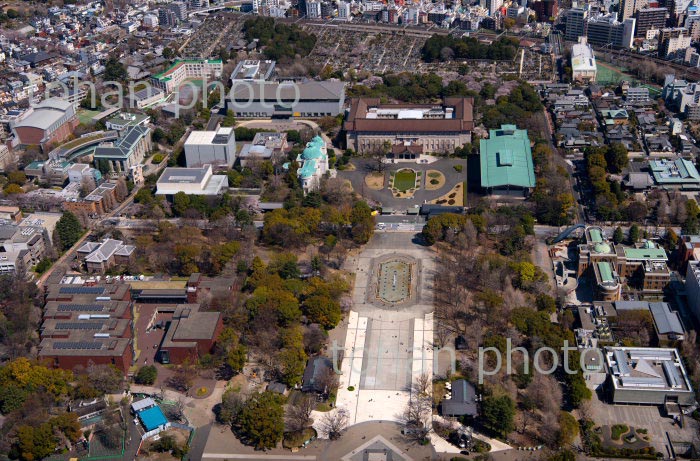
(85, 116)
(404, 180)
(617, 430)
(435, 180)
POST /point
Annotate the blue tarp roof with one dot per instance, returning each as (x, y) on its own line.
(152, 418)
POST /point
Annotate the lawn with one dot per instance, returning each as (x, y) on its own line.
(404, 180)
(85, 116)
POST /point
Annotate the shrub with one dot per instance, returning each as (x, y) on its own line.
(434, 181)
(147, 375)
(157, 158)
(351, 388)
(458, 168)
(617, 430)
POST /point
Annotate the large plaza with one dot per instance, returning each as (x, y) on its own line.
(389, 336)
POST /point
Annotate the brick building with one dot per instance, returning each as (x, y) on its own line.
(190, 334)
(100, 201)
(87, 325)
(48, 123)
(436, 127)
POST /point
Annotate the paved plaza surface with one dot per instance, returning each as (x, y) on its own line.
(385, 197)
(649, 417)
(387, 344)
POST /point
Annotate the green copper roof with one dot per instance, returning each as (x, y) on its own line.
(308, 169)
(506, 159)
(605, 270)
(646, 253)
(596, 236)
(602, 248)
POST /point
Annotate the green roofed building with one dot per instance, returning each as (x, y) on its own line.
(313, 163)
(675, 174)
(506, 162)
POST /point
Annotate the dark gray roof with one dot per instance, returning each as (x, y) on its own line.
(463, 401)
(315, 368)
(666, 321)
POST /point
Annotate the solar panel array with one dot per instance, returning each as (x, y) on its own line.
(80, 308)
(81, 290)
(77, 345)
(79, 326)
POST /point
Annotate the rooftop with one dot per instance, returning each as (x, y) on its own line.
(370, 115)
(124, 145)
(220, 136)
(674, 172)
(506, 159)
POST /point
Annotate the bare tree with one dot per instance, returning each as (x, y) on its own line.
(299, 413)
(334, 423)
(328, 380)
(423, 385)
(416, 418)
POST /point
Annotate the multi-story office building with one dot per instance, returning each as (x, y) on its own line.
(545, 10)
(607, 31)
(673, 42)
(648, 19)
(576, 19)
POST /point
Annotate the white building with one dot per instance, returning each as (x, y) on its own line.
(313, 164)
(211, 148)
(191, 181)
(171, 79)
(313, 10)
(344, 11)
(583, 64)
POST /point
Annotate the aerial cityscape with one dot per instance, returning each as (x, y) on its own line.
(349, 230)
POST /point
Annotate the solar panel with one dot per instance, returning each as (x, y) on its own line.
(77, 345)
(81, 290)
(79, 326)
(80, 308)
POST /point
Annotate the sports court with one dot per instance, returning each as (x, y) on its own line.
(394, 281)
(388, 355)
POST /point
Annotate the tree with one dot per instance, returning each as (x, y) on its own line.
(568, 428)
(231, 405)
(291, 359)
(69, 230)
(299, 413)
(114, 70)
(334, 423)
(499, 414)
(147, 375)
(618, 235)
(13, 189)
(322, 310)
(634, 234)
(362, 222)
(261, 420)
(181, 203)
(229, 120)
